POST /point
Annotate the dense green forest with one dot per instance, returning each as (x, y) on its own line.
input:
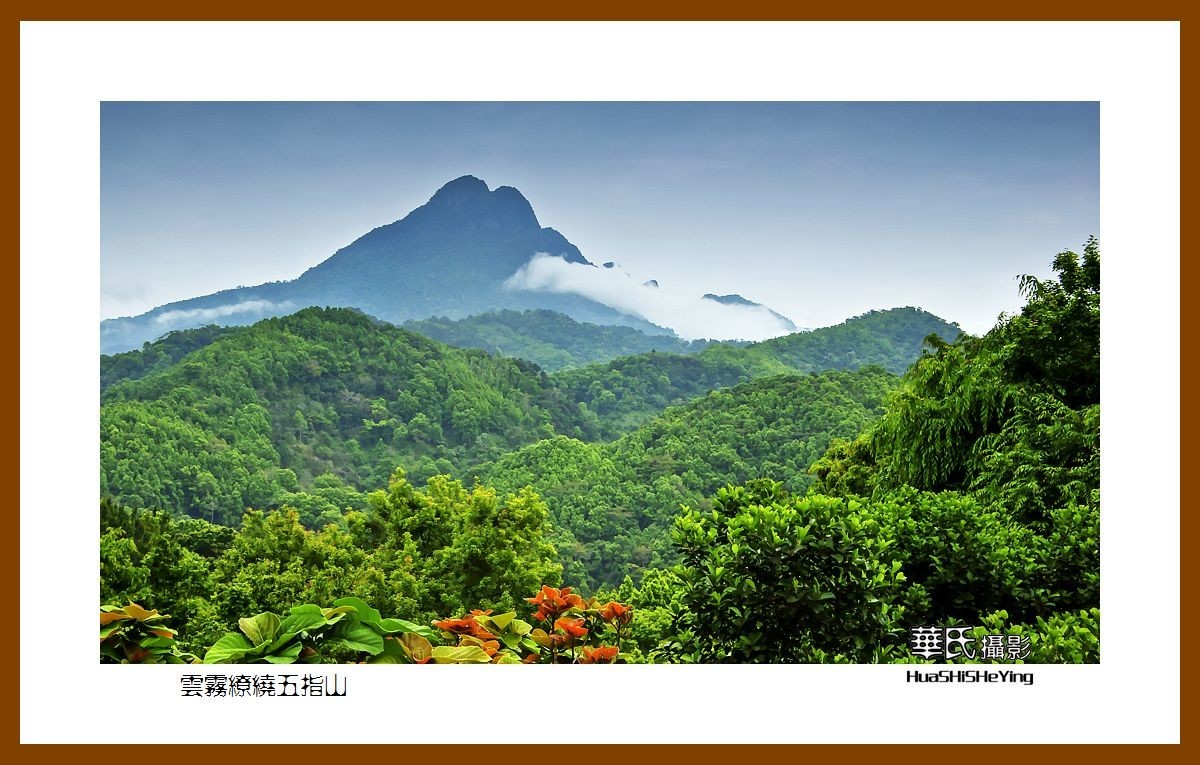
(626, 392)
(157, 356)
(794, 500)
(612, 503)
(312, 409)
(296, 409)
(549, 339)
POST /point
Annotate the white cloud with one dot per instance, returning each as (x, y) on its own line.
(222, 311)
(690, 316)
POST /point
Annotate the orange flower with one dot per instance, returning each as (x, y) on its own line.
(481, 632)
(463, 626)
(572, 627)
(546, 593)
(467, 625)
(553, 603)
(615, 613)
(604, 654)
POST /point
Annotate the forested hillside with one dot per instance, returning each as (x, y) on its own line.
(612, 504)
(777, 515)
(975, 498)
(157, 356)
(627, 391)
(315, 400)
(551, 340)
(313, 409)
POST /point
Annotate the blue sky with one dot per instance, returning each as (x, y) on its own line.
(819, 210)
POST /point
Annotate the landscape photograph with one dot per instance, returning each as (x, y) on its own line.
(599, 382)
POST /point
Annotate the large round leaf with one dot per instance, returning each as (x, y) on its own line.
(228, 649)
(260, 629)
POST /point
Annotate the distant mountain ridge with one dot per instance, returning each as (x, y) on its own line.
(449, 257)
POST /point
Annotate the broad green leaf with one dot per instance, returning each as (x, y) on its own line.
(300, 622)
(286, 656)
(359, 637)
(392, 626)
(227, 650)
(520, 627)
(467, 654)
(260, 629)
(392, 653)
(153, 641)
(503, 620)
(283, 639)
(364, 612)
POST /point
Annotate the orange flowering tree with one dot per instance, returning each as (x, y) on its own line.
(565, 629)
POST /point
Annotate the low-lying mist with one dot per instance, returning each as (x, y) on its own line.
(690, 316)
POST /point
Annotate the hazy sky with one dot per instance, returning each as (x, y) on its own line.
(819, 210)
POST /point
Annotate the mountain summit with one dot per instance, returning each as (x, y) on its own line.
(466, 208)
(449, 257)
(468, 202)
(465, 233)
